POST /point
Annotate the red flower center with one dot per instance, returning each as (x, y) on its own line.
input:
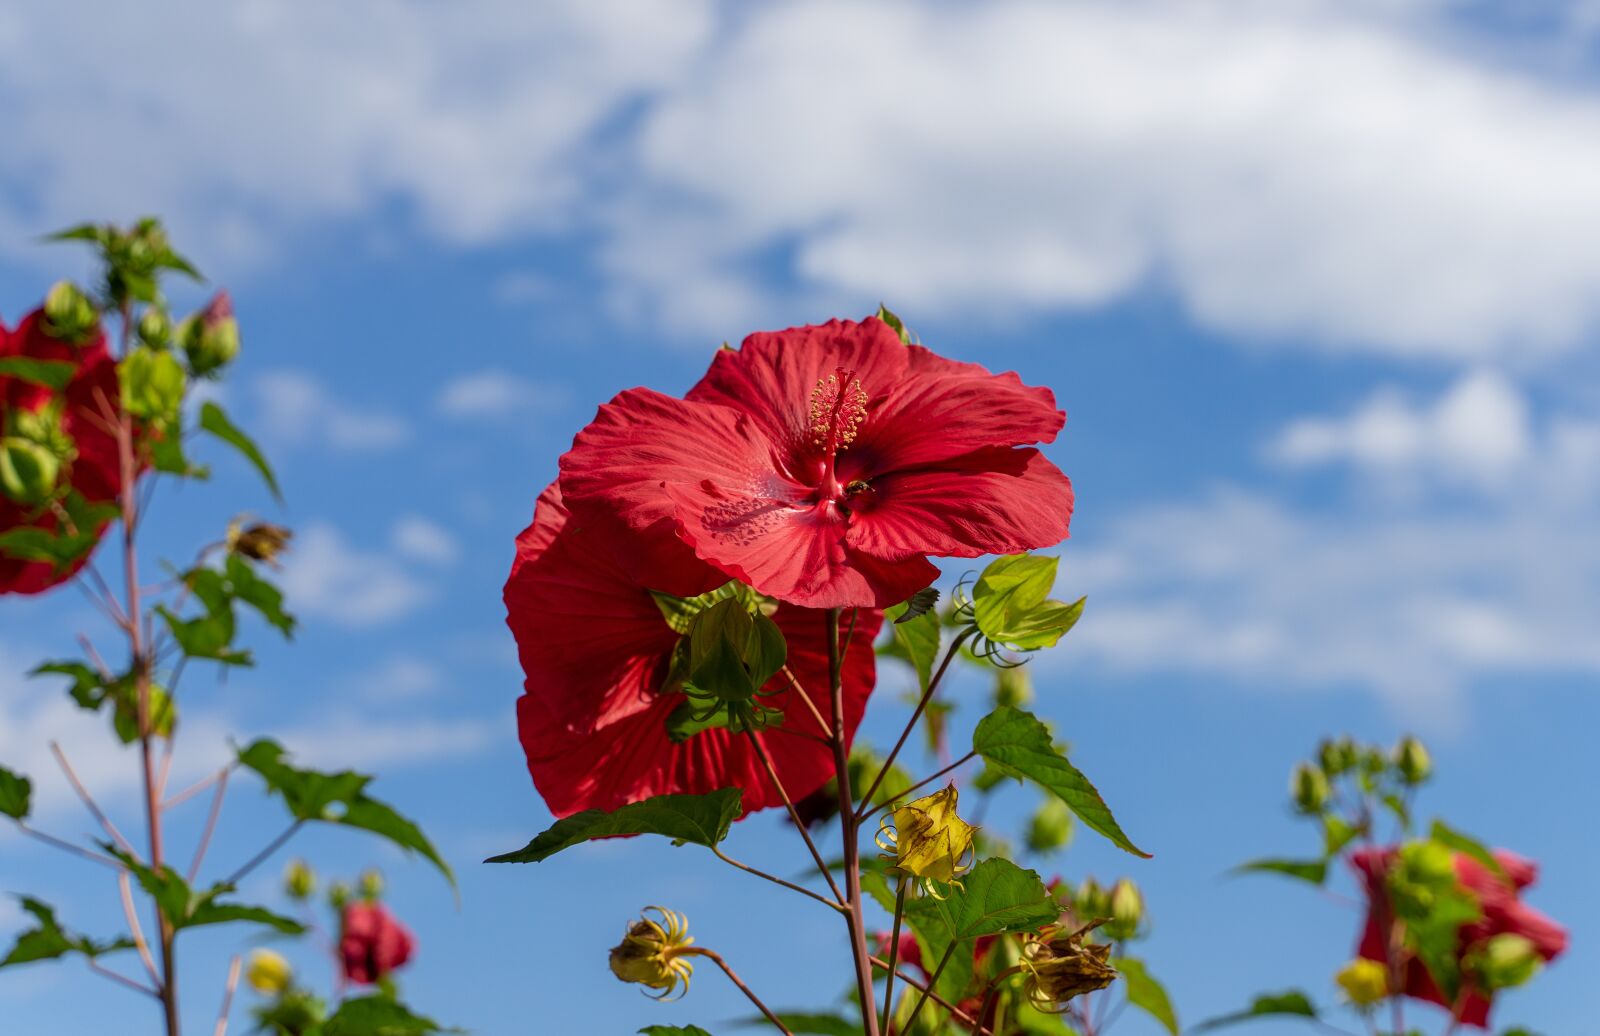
(838, 406)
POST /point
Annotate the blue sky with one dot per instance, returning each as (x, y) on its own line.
(1316, 283)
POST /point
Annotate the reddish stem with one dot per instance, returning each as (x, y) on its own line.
(850, 824)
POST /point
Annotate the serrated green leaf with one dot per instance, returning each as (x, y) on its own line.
(914, 641)
(1145, 993)
(52, 374)
(806, 1023)
(16, 794)
(47, 940)
(1292, 1002)
(379, 1015)
(1463, 843)
(260, 594)
(215, 420)
(209, 912)
(996, 897)
(1017, 743)
(700, 819)
(1314, 871)
(337, 798)
(87, 689)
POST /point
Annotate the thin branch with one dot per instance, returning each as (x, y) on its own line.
(211, 825)
(927, 696)
(822, 865)
(66, 846)
(227, 998)
(135, 929)
(922, 783)
(733, 977)
(798, 687)
(933, 980)
(956, 1012)
(825, 901)
(198, 786)
(894, 949)
(89, 802)
(259, 858)
(105, 972)
(849, 829)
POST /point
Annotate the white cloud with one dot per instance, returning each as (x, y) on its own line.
(348, 741)
(298, 410)
(493, 394)
(1287, 170)
(1407, 597)
(1477, 431)
(402, 676)
(419, 539)
(245, 120)
(326, 575)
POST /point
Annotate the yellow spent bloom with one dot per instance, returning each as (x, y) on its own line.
(1060, 967)
(269, 973)
(652, 953)
(1364, 981)
(927, 840)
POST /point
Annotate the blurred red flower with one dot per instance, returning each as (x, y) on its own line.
(372, 943)
(1503, 913)
(90, 396)
(824, 465)
(596, 649)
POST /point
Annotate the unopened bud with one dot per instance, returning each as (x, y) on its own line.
(155, 327)
(1051, 827)
(1428, 863)
(339, 894)
(210, 338)
(1127, 906)
(371, 884)
(1505, 961)
(1092, 901)
(1412, 760)
(28, 471)
(300, 881)
(654, 953)
(1337, 756)
(1012, 686)
(68, 313)
(1365, 982)
(1309, 788)
(269, 973)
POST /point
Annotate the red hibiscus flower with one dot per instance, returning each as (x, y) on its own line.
(1503, 913)
(596, 650)
(372, 943)
(824, 465)
(94, 471)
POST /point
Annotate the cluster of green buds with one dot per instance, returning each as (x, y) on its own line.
(1370, 770)
(927, 841)
(654, 953)
(1060, 966)
(1118, 911)
(70, 315)
(35, 453)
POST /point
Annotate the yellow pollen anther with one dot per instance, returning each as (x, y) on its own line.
(838, 406)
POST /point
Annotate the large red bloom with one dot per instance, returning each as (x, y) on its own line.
(596, 651)
(372, 943)
(824, 465)
(95, 472)
(1503, 913)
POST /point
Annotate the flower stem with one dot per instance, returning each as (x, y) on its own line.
(824, 900)
(955, 1012)
(927, 696)
(772, 773)
(894, 950)
(925, 781)
(933, 980)
(850, 826)
(716, 958)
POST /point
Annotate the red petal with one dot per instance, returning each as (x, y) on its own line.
(992, 501)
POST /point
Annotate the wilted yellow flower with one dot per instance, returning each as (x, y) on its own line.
(653, 953)
(259, 541)
(927, 840)
(268, 974)
(1364, 981)
(1060, 967)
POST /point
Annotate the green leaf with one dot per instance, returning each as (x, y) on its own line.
(248, 586)
(1011, 606)
(1016, 743)
(47, 940)
(210, 912)
(1146, 993)
(914, 640)
(679, 612)
(214, 419)
(996, 897)
(677, 1030)
(894, 322)
(16, 794)
(208, 636)
(337, 798)
(65, 545)
(918, 604)
(1337, 833)
(1314, 871)
(52, 374)
(379, 1015)
(700, 819)
(1292, 1002)
(1462, 843)
(803, 1023)
(732, 652)
(682, 723)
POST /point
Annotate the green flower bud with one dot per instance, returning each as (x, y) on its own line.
(1336, 756)
(1504, 961)
(1127, 910)
(1428, 863)
(300, 881)
(210, 338)
(155, 327)
(1013, 687)
(28, 471)
(1412, 760)
(68, 313)
(339, 894)
(371, 884)
(1051, 827)
(1309, 788)
(1092, 901)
